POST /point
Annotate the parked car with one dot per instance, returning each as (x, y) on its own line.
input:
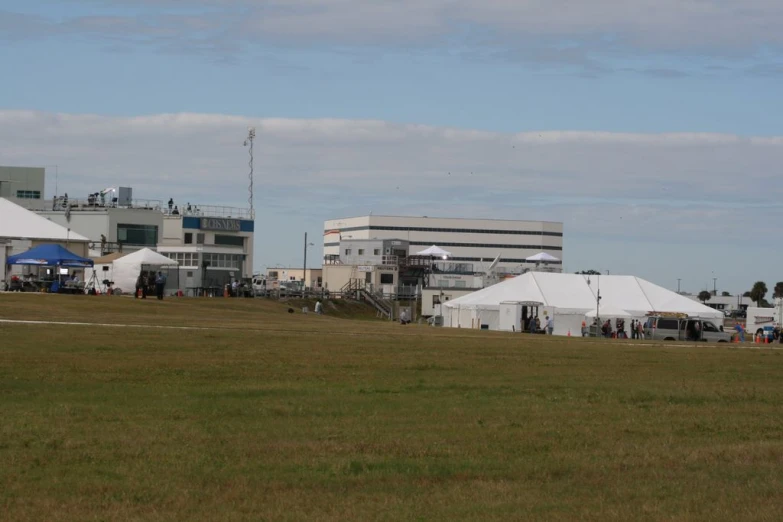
(667, 328)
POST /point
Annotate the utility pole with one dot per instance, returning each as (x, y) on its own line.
(304, 271)
(678, 285)
(714, 286)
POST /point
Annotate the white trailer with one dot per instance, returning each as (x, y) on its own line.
(761, 319)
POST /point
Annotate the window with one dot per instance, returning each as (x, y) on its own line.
(273, 274)
(376, 252)
(387, 279)
(435, 299)
(229, 240)
(188, 238)
(460, 284)
(361, 251)
(200, 238)
(443, 283)
(347, 251)
(667, 324)
(189, 274)
(28, 194)
(709, 327)
(144, 235)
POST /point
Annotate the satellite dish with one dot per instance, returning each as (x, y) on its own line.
(493, 264)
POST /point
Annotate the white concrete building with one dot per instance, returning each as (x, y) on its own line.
(473, 241)
(213, 245)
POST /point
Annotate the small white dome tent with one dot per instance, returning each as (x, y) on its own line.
(126, 269)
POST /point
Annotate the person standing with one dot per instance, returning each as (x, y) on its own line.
(633, 328)
(160, 284)
(141, 284)
(639, 330)
(550, 325)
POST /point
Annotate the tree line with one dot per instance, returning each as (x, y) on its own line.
(757, 294)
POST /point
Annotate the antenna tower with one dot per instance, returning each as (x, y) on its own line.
(251, 135)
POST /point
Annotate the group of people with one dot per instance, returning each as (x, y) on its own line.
(174, 209)
(534, 325)
(636, 328)
(145, 281)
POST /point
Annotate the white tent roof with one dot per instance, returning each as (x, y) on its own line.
(607, 312)
(18, 222)
(433, 251)
(145, 256)
(542, 256)
(571, 293)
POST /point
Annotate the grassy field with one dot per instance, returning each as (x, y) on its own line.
(264, 415)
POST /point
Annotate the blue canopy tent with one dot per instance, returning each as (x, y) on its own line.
(50, 255)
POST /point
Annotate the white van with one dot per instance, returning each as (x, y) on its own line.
(676, 328)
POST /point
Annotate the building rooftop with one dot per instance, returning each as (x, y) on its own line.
(442, 217)
(97, 205)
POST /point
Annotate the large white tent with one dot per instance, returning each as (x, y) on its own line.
(125, 270)
(569, 298)
(19, 223)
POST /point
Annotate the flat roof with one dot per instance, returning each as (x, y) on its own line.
(443, 217)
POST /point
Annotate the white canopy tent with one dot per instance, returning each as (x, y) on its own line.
(434, 251)
(125, 270)
(542, 257)
(569, 298)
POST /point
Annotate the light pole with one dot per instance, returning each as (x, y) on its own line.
(678, 285)
(304, 264)
(597, 300)
(714, 286)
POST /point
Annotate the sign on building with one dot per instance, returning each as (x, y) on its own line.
(365, 268)
(228, 225)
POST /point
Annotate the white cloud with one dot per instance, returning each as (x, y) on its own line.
(596, 26)
(569, 176)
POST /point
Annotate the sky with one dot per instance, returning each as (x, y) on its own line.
(653, 129)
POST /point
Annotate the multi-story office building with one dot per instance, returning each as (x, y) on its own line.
(471, 241)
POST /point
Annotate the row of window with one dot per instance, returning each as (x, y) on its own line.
(28, 194)
(360, 251)
(466, 245)
(215, 260)
(454, 230)
(444, 283)
(219, 239)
